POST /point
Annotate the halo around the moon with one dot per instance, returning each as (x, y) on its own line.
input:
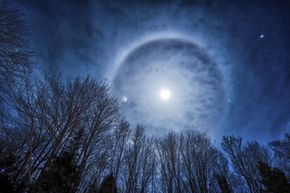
(185, 68)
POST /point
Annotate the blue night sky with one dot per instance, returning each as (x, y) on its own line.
(235, 56)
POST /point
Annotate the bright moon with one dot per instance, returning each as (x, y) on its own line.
(165, 94)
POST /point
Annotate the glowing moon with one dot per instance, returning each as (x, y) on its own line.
(165, 94)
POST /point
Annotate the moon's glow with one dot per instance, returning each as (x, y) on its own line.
(165, 94)
(190, 73)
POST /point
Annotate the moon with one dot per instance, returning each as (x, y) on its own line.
(165, 94)
(188, 72)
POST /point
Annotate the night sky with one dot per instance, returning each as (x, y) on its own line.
(235, 56)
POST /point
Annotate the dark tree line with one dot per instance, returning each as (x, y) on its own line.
(60, 136)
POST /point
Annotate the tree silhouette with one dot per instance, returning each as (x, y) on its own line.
(281, 149)
(108, 185)
(273, 179)
(14, 52)
(244, 158)
(7, 172)
(223, 183)
(60, 176)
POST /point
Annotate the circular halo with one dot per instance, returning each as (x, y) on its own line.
(196, 80)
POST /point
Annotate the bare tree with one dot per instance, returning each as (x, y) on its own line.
(14, 52)
(201, 162)
(120, 138)
(15, 65)
(245, 159)
(281, 149)
(170, 163)
(148, 166)
(49, 113)
(139, 163)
